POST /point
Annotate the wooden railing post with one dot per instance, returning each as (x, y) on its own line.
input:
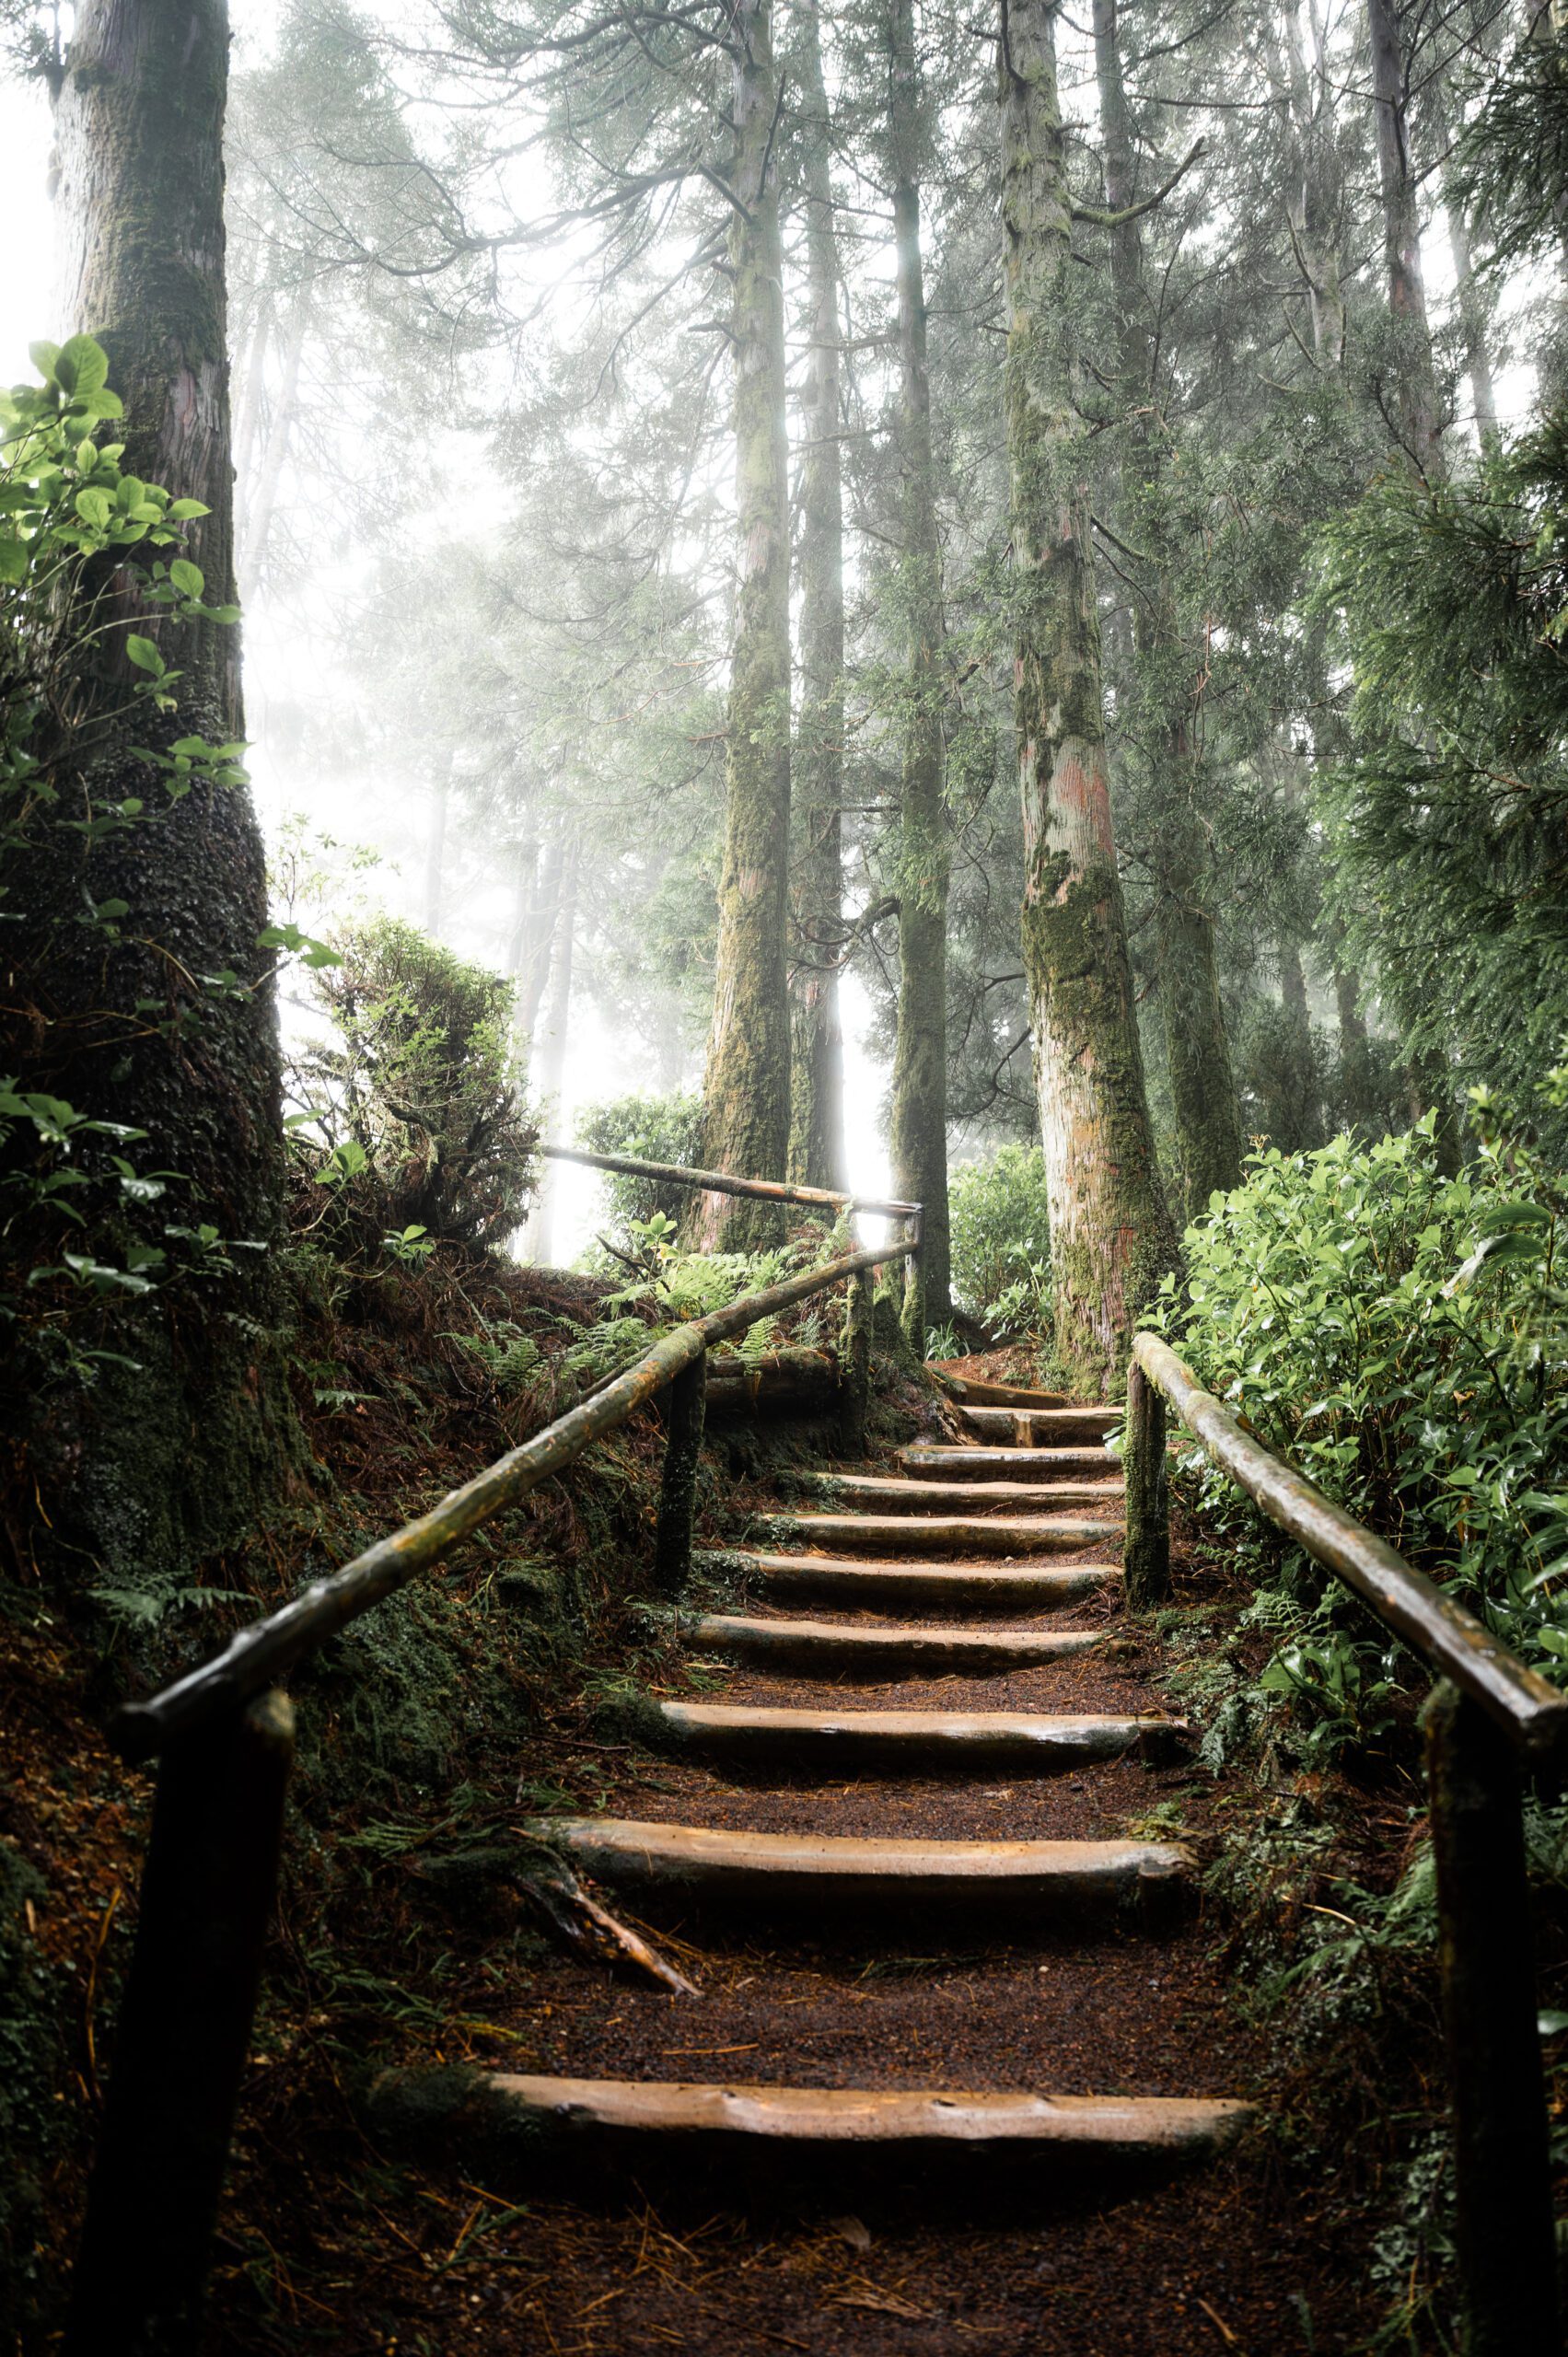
(1146, 1556)
(859, 1313)
(208, 1888)
(678, 1492)
(1503, 2181)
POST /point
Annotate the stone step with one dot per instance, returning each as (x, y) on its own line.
(974, 1588)
(934, 1461)
(1042, 1427)
(909, 1743)
(1043, 1883)
(888, 1494)
(921, 1535)
(501, 2127)
(839, 1649)
(976, 1393)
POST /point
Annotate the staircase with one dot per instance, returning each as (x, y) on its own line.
(987, 1563)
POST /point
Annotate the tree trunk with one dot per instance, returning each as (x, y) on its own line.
(541, 884)
(1202, 1086)
(746, 1088)
(817, 1156)
(436, 851)
(1208, 1120)
(1308, 1110)
(262, 504)
(1418, 412)
(919, 1125)
(1313, 192)
(248, 419)
(1110, 1233)
(552, 1061)
(1474, 309)
(164, 1462)
(1355, 1058)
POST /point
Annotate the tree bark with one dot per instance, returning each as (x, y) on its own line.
(919, 1124)
(1313, 193)
(1203, 1101)
(1298, 1026)
(817, 1156)
(164, 1463)
(540, 890)
(1111, 1239)
(1417, 407)
(552, 1061)
(746, 1086)
(262, 504)
(1474, 309)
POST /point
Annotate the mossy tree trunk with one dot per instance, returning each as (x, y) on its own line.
(1418, 409)
(919, 1123)
(159, 1466)
(816, 1114)
(1304, 1098)
(1111, 1237)
(746, 1086)
(1203, 1087)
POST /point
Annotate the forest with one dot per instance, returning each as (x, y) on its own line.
(783, 1159)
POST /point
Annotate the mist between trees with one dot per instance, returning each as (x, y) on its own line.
(695, 465)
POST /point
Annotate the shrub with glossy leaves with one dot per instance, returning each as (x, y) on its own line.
(649, 1128)
(1001, 1238)
(1403, 1338)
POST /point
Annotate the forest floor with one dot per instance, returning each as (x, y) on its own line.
(328, 2242)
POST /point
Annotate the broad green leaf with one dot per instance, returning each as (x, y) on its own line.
(88, 365)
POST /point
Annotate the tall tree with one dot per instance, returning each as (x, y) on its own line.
(817, 1113)
(170, 1024)
(1208, 1120)
(1419, 410)
(919, 1124)
(1110, 1235)
(746, 1086)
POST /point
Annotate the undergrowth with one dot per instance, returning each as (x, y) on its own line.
(1402, 1336)
(489, 1690)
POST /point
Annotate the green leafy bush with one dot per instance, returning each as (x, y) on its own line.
(650, 1129)
(412, 1125)
(1001, 1238)
(80, 1230)
(1403, 1338)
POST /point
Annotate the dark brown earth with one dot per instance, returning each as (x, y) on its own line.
(1232, 2259)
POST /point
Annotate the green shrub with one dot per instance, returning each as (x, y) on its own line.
(649, 1128)
(414, 1126)
(1001, 1238)
(1403, 1338)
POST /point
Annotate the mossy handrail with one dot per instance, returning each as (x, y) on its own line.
(1451, 1639)
(718, 1182)
(224, 1737)
(1491, 1719)
(265, 1650)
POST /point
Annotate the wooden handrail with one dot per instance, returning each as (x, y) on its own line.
(718, 1182)
(224, 1734)
(1452, 1640)
(1490, 1719)
(256, 1656)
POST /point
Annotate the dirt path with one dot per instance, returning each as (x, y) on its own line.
(887, 2253)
